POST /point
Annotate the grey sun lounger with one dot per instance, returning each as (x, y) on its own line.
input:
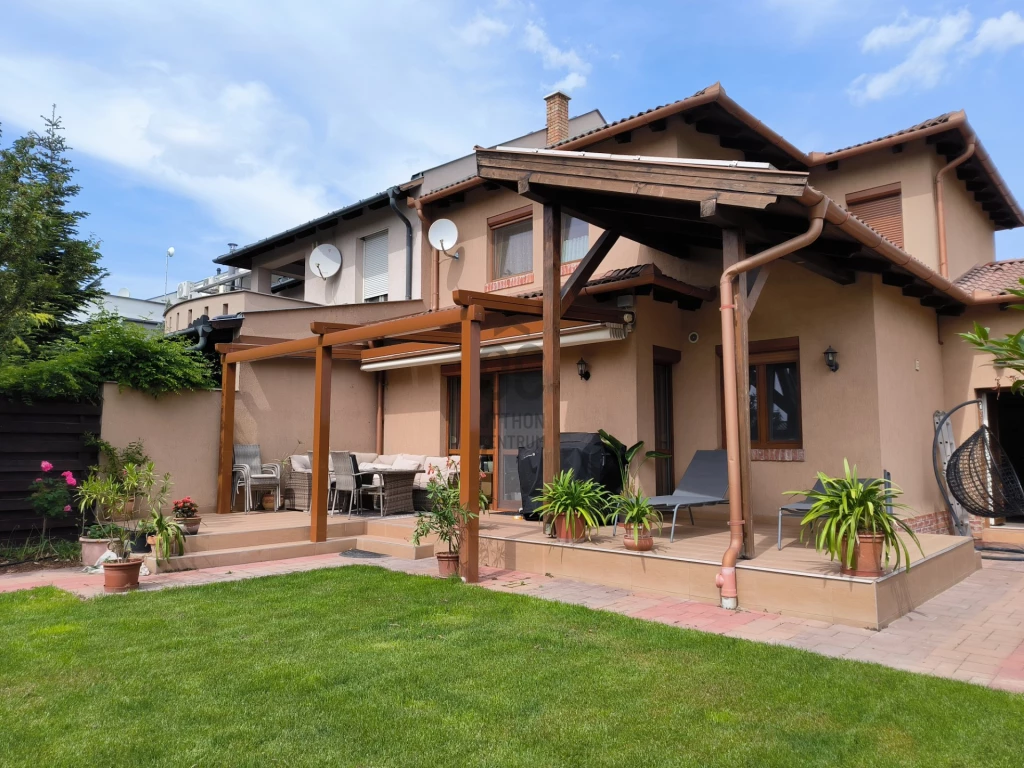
(705, 482)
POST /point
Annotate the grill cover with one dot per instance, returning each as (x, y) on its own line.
(582, 452)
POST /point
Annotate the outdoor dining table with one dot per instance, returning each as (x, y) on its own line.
(396, 489)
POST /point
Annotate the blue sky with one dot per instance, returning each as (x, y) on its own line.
(195, 124)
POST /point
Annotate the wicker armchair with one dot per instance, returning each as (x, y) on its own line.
(298, 483)
(251, 474)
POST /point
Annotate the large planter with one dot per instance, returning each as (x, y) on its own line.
(121, 576)
(190, 524)
(447, 564)
(151, 543)
(570, 531)
(93, 549)
(867, 556)
(268, 501)
(644, 542)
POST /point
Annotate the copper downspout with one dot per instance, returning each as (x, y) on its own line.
(435, 258)
(726, 579)
(940, 207)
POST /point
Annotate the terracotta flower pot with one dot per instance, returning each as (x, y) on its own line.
(644, 542)
(447, 564)
(566, 531)
(867, 556)
(190, 524)
(121, 576)
(268, 501)
(93, 549)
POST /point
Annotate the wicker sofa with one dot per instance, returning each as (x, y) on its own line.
(299, 475)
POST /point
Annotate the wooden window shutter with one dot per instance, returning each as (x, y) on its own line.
(375, 265)
(881, 208)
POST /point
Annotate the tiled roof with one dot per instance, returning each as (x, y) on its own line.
(912, 129)
(995, 277)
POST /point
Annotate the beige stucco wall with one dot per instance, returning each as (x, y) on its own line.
(414, 411)
(910, 390)
(180, 433)
(234, 302)
(970, 237)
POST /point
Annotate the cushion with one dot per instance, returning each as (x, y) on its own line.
(421, 481)
(401, 463)
(418, 458)
(387, 459)
(378, 465)
(435, 461)
(300, 463)
(365, 458)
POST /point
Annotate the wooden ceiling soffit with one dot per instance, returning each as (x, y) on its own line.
(740, 187)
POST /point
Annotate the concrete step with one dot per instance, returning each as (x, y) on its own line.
(217, 540)
(394, 547)
(252, 554)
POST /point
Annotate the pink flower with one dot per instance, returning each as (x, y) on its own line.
(71, 481)
(46, 466)
(38, 480)
(67, 508)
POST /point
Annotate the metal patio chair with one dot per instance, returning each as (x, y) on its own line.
(249, 472)
(704, 483)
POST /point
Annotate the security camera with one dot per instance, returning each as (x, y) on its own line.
(694, 337)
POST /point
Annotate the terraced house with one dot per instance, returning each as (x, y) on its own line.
(839, 342)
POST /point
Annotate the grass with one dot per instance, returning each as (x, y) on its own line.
(359, 666)
(40, 549)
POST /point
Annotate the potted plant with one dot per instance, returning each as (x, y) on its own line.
(165, 536)
(186, 514)
(855, 524)
(575, 507)
(446, 519)
(113, 461)
(96, 541)
(268, 501)
(627, 457)
(638, 518)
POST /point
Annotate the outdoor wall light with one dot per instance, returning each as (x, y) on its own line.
(831, 359)
(583, 369)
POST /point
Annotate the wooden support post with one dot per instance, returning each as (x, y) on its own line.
(321, 443)
(225, 475)
(552, 283)
(469, 448)
(734, 249)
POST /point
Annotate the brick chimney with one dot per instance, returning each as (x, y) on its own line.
(558, 117)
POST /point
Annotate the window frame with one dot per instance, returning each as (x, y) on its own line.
(893, 191)
(384, 234)
(565, 230)
(494, 223)
(761, 355)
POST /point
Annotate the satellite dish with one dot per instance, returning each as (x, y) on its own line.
(124, 293)
(443, 235)
(325, 260)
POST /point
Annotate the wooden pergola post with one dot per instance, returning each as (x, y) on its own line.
(469, 444)
(227, 436)
(734, 249)
(552, 286)
(321, 443)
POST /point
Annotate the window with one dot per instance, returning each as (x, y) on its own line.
(224, 311)
(511, 243)
(881, 208)
(775, 420)
(664, 469)
(206, 310)
(375, 267)
(575, 238)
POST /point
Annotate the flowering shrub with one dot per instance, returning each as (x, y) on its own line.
(186, 508)
(52, 497)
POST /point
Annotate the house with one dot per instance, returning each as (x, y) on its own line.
(874, 257)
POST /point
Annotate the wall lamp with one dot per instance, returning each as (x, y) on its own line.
(832, 359)
(583, 369)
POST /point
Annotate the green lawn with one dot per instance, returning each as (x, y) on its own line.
(365, 667)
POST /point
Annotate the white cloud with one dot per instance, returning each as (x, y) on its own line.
(482, 30)
(900, 32)
(536, 40)
(923, 66)
(998, 34)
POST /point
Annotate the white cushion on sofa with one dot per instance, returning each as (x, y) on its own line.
(386, 458)
(401, 463)
(300, 463)
(421, 481)
(416, 458)
(364, 458)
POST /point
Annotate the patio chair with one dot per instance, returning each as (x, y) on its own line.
(704, 483)
(801, 508)
(347, 479)
(249, 472)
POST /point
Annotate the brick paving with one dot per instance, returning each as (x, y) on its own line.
(973, 631)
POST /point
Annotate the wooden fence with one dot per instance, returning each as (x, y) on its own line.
(30, 434)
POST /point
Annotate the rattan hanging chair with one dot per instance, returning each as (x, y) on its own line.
(983, 480)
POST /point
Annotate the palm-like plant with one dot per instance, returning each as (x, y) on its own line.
(169, 536)
(627, 457)
(583, 500)
(848, 506)
(637, 514)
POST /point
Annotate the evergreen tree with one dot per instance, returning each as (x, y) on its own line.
(48, 272)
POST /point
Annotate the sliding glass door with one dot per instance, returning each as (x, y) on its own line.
(520, 425)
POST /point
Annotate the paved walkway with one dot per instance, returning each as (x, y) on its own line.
(973, 632)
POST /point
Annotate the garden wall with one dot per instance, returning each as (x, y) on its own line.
(30, 434)
(180, 431)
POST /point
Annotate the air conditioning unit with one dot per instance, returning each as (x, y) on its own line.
(184, 289)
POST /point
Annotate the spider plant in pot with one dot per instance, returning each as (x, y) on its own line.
(166, 536)
(638, 519)
(855, 523)
(575, 507)
(630, 459)
(445, 520)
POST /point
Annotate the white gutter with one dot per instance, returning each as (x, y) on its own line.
(515, 345)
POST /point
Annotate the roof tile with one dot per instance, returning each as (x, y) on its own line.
(995, 277)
